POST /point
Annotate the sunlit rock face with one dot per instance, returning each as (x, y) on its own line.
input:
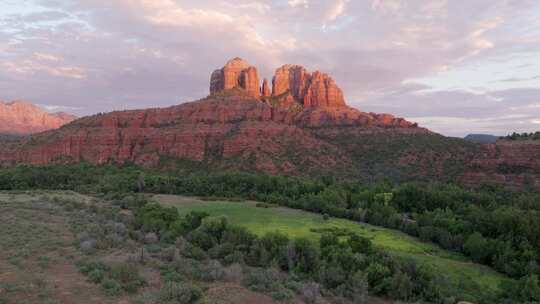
(237, 73)
(22, 117)
(310, 89)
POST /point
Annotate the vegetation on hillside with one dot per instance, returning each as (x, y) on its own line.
(491, 226)
(471, 279)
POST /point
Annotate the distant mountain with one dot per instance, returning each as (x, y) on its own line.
(22, 117)
(482, 138)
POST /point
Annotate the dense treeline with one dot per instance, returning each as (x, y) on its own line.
(493, 227)
(524, 136)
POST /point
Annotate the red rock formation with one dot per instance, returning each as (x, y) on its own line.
(21, 117)
(310, 89)
(303, 128)
(236, 74)
(228, 131)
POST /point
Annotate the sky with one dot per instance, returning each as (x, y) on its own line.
(454, 66)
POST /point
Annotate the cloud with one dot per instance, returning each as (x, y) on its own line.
(46, 57)
(299, 3)
(391, 56)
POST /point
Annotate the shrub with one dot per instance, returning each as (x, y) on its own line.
(44, 261)
(96, 276)
(88, 266)
(311, 292)
(174, 293)
(128, 276)
(120, 277)
(151, 238)
(213, 271)
(263, 280)
(194, 252)
(282, 294)
(234, 273)
(111, 287)
(88, 246)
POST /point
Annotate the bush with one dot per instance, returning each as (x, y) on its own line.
(128, 277)
(151, 238)
(213, 271)
(88, 246)
(88, 266)
(234, 273)
(96, 276)
(263, 280)
(174, 293)
(120, 277)
(282, 294)
(111, 287)
(311, 292)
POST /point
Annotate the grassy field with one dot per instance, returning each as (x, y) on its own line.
(468, 276)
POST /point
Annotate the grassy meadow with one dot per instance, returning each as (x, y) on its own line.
(466, 275)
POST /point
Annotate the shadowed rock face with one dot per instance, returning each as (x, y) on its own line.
(21, 117)
(265, 89)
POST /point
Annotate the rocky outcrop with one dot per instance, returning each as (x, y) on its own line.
(290, 83)
(21, 117)
(309, 89)
(237, 73)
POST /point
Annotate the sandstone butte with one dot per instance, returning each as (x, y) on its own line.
(21, 117)
(301, 126)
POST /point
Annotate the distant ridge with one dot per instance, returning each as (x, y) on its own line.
(482, 138)
(23, 118)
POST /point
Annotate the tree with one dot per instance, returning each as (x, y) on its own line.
(360, 244)
(308, 256)
(359, 287)
(477, 247)
(377, 274)
(530, 288)
(401, 286)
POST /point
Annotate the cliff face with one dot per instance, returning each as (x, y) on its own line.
(21, 117)
(229, 129)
